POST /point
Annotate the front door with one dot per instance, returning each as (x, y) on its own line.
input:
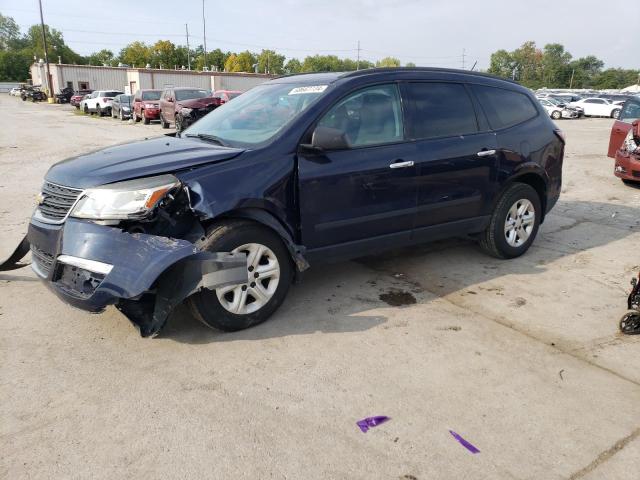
(630, 112)
(366, 191)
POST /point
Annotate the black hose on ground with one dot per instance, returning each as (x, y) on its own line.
(11, 263)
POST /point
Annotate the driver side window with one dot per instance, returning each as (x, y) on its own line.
(371, 116)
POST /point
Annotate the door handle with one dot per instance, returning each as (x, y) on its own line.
(401, 164)
(486, 153)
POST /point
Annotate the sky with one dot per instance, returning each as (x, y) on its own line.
(427, 32)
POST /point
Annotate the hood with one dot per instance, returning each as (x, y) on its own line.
(139, 159)
(198, 102)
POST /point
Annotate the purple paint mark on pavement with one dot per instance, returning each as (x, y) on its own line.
(464, 443)
(369, 422)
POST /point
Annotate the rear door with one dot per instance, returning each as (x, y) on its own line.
(455, 153)
(629, 113)
(364, 191)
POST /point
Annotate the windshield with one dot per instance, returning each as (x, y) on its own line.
(152, 95)
(191, 93)
(123, 98)
(255, 117)
(232, 95)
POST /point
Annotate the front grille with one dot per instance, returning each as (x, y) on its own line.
(57, 200)
(43, 259)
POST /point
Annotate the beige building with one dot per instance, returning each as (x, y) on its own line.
(81, 77)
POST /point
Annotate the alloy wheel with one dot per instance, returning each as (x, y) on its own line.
(264, 275)
(519, 222)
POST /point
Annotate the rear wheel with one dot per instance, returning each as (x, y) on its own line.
(616, 113)
(556, 115)
(514, 223)
(269, 269)
(99, 110)
(145, 119)
(120, 115)
(86, 109)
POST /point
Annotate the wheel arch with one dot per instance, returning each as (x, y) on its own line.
(270, 221)
(536, 179)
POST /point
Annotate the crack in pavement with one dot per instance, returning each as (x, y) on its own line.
(606, 455)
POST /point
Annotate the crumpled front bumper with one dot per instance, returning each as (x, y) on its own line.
(627, 166)
(91, 266)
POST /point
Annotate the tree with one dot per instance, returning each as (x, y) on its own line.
(410, 65)
(230, 64)
(103, 57)
(14, 65)
(501, 64)
(616, 78)
(9, 32)
(584, 71)
(555, 65)
(136, 54)
(270, 62)
(388, 62)
(56, 47)
(293, 66)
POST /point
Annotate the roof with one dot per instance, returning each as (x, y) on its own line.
(330, 77)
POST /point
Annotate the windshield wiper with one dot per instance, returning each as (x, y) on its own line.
(208, 137)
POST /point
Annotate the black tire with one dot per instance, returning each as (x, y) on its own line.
(493, 240)
(631, 183)
(99, 110)
(616, 113)
(145, 119)
(113, 113)
(164, 124)
(630, 323)
(86, 109)
(225, 237)
(556, 115)
(136, 118)
(178, 123)
(121, 115)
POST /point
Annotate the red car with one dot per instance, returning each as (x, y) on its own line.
(224, 96)
(628, 156)
(174, 99)
(629, 113)
(146, 105)
(77, 97)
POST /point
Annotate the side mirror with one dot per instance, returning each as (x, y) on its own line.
(326, 138)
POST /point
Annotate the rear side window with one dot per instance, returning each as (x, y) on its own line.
(441, 110)
(630, 111)
(504, 108)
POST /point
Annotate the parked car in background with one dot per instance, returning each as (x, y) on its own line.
(629, 113)
(598, 107)
(556, 111)
(35, 94)
(15, 91)
(99, 102)
(223, 96)
(121, 107)
(563, 103)
(65, 95)
(173, 100)
(627, 165)
(77, 97)
(300, 170)
(146, 105)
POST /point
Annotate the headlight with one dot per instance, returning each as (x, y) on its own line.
(132, 199)
(149, 105)
(185, 111)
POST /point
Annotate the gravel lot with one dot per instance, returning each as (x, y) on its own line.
(522, 357)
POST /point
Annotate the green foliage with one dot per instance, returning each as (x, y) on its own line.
(553, 67)
(103, 57)
(9, 32)
(136, 54)
(14, 65)
(388, 62)
(293, 66)
(270, 62)
(410, 65)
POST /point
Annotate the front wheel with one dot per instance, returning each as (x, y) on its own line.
(514, 222)
(556, 115)
(86, 109)
(99, 110)
(616, 113)
(163, 122)
(269, 270)
(146, 120)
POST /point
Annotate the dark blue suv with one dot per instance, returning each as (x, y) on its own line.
(299, 170)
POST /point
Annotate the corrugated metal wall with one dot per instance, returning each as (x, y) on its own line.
(103, 78)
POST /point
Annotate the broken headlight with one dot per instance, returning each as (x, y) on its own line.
(132, 199)
(630, 144)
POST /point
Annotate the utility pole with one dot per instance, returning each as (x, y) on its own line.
(46, 55)
(463, 55)
(571, 81)
(186, 27)
(204, 34)
(358, 61)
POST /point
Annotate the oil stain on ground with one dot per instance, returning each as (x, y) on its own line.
(397, 298)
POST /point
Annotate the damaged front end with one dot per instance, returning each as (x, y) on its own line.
(132, 245)
(188, 116)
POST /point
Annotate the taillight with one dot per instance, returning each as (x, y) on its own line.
(560, 134)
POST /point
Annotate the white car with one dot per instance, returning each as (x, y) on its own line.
(99, 102)
(598, 107)
(15, 91)
(555, 111)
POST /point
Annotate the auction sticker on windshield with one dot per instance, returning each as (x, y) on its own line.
(311, 89)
